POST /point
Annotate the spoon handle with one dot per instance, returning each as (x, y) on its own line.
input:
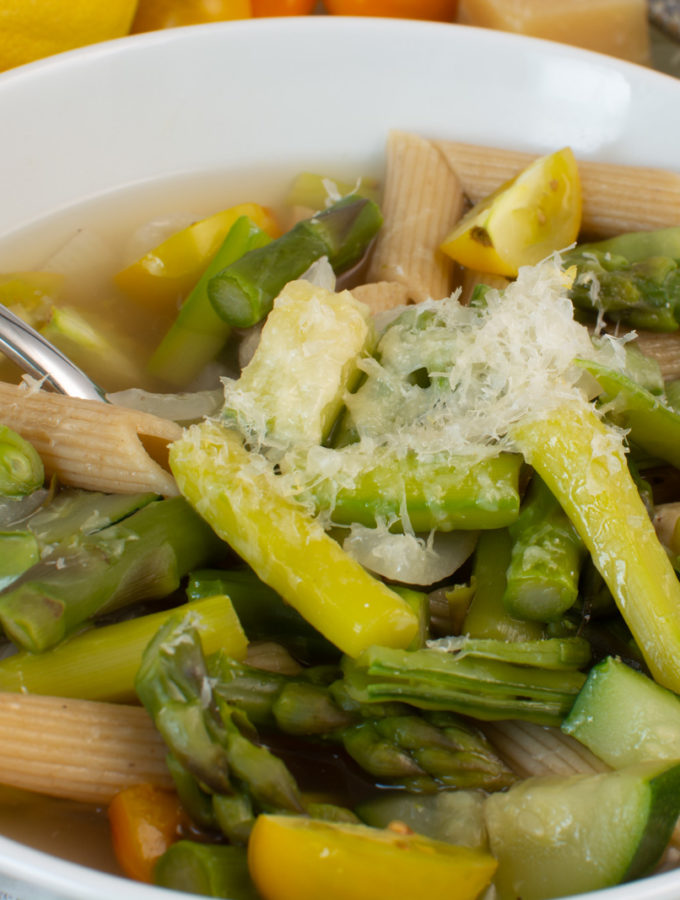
(41, 359)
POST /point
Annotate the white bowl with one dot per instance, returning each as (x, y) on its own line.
(290, 94)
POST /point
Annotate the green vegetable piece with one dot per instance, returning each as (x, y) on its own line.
(545, 564)
(484, 688)
(19, 550)
(487, 616)
(198, 334)
(554, 836)
(211, 870)
(633, 278)
(456, 817)
(445, 494)
(624, 717)
(21, 468)
(652, 424)
(142, 557)
(101, 663)
(262, 613)
(242, 294)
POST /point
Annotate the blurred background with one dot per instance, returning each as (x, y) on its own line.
(646, 32)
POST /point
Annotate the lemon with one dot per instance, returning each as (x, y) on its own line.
(32, 29)
(156, 14)
(522, 222)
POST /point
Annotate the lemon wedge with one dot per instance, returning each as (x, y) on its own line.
(522, 222)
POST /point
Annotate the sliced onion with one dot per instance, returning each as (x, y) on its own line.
(181, 407)
(408, 558)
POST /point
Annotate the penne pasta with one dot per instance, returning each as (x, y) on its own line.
(664, 348)
(422, 201)
(78, 749)
(616, 198)
(381, 296)
(471, 279)
(92, 445)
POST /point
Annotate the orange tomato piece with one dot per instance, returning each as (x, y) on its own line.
(153, 15)
(437, 10)
(282, 7)
(145, 820)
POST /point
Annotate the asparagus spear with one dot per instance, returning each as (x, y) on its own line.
(634, 278)
(21, 468)
(543, 575)
(212, 870)
(262, 612)
(243, 293)
(487, 616)
(140, 558)
(198, 334)
(522, 687)
(446, 493)
(428, 751)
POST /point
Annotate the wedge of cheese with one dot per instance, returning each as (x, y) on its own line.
(616, 27)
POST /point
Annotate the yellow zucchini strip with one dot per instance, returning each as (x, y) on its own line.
(92, 445)
(236, 494)
(616, 198)
(422, 201)
(583, 463)
(78, 749)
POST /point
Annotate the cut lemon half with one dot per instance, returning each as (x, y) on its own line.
(525, 220)
(298, 858)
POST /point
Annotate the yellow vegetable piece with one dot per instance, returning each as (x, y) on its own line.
(163, 276)
(584, 465)
(32, 29)
(287, 548)
(524, 221)
(296, 858)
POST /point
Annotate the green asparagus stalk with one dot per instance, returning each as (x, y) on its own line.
(391, 742)
(21, 468)
(70, 512)
(262, 613)
(444, 494)
(242, 293)
(143, 557)
(470, 684)
(650, 422)
(633, 278)
(198, 334)
(211, 870)
(542, 580)
(101, 663)
(487, 616)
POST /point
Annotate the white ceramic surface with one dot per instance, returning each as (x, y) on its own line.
(292, 93)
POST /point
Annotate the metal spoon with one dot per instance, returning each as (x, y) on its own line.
(41, 359)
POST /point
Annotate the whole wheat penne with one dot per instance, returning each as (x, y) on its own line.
(422, 201)
(472, 278)
(92, 445)
(381, 296)
(664, 348)
(616, 198)
(78, 749)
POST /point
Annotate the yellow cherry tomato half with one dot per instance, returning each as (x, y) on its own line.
(525, 220)
(164, 275)
(436, 10)
(153, 15)
(299, 858)
(282, 7)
